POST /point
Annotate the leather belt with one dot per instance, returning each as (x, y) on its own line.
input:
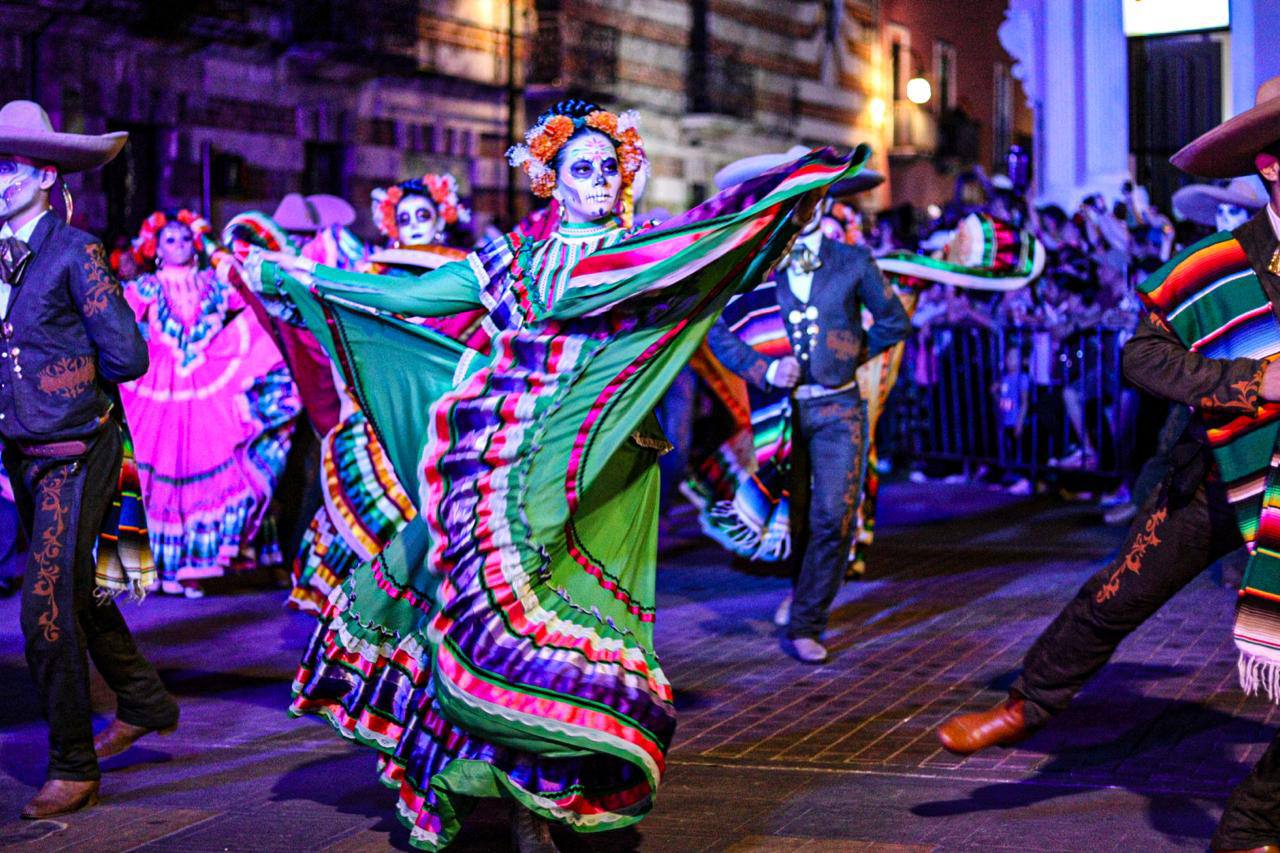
(811, 392)
(53, 449)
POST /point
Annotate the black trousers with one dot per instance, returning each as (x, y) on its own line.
(1171, 541)
(62, 502)
(829, 453)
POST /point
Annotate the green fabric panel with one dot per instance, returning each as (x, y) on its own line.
(1227, 302)
(412, 367)
(451, 289)
(1248, 454)
(1263, 572)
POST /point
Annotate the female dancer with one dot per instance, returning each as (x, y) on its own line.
(502, 644)
(211, 419)
(364, 502)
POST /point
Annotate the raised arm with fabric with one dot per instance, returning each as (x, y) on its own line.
(1160, 364)
(451, 289)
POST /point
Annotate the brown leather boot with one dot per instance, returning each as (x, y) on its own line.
(119, 736)
(61, 796)
(1002, 725)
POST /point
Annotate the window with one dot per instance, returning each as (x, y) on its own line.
(944, 72)
(1002, 123)
(325, 168)
(900, 65)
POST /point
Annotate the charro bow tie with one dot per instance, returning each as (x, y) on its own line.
(803, 260)
(14, 255)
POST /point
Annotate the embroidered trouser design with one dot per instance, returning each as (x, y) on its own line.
(46, 553)
(61, 503)
(1171, 541)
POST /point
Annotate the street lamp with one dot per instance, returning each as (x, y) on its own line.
(919, 91)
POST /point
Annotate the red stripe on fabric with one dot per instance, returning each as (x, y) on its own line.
(544, 707)
(1197, 271)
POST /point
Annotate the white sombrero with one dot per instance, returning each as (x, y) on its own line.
(25, 130)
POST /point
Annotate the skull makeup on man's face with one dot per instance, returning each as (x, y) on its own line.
(417, 222)
(587, 177)
(1229, 217)
(20, 186)
(175, 246)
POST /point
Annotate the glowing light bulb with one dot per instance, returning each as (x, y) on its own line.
(876, 108)
(919, 91)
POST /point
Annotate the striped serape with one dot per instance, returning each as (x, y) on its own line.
(125, 564)
(1211, 298)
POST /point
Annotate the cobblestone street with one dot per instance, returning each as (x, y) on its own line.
(770, 754)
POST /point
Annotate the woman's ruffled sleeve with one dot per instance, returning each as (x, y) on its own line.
(451, 289)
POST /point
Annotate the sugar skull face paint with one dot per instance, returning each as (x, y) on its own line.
(20, 186)
(587, 178)
(1229, 217)
(175, 246)
(417, 222)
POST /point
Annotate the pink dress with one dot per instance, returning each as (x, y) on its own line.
(211, 421)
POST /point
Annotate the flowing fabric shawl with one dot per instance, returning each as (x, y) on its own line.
(502, 644)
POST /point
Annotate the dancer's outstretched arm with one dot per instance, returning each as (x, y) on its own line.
(451, 289)
(1160, 364)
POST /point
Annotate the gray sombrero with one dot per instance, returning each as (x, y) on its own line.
(25, 131)
(1199, 202)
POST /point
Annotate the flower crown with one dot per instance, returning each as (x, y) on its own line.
(144, 245)
(545, 139)
(441, 189)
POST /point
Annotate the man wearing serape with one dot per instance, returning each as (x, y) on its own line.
(798, 342)
(66, 337)
(1210, 342)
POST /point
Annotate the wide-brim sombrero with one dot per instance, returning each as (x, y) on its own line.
(25, 131)
(1228, 150)
(983, 253)
(756, 165)
(296, 213)
(1199, 202)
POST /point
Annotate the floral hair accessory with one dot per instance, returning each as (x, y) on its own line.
(145, 244)
(441, 189)
(536, 155)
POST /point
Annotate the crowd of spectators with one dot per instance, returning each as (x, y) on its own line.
(1024, 388)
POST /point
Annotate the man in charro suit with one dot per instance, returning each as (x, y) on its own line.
(821, 289)
(66, 337)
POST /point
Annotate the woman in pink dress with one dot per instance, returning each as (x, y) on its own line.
(213, 416)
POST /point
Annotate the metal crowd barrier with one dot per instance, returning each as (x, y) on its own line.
(1078, 401)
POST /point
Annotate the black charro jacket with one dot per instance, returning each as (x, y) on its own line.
(1160, 364)
(847, 281)
(68, 338)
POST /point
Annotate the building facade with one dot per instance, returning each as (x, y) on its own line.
(1115, 100)
(974, 112)
(230, 105)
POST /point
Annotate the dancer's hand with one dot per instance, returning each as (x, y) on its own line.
(786, 372)
(1271, 382)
